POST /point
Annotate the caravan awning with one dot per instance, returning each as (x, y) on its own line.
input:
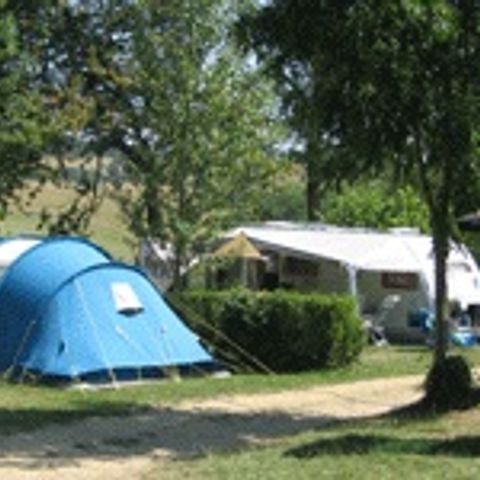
(399, 251)
(362, 250)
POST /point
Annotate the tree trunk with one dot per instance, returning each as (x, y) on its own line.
(441, 241)
(313, 160)
(180, 275)
(178, 278)
(312, 197)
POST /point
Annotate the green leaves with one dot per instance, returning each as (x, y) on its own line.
(373, 204)
(201, 138)
(394, 83)
(21, 134)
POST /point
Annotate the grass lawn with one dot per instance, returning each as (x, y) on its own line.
(444, 447)
(108, 227)
(403, 445)
(25, 407)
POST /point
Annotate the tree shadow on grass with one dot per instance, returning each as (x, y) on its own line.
(365, 444)
(358, 444)
(422, 409)
(14, 421)
(155, 432)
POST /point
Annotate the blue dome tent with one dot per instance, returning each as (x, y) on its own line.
(67, 311)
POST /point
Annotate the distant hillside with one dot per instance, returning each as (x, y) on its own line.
(108, 229)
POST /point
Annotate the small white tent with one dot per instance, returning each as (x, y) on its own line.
(390, 273)
(12, 248)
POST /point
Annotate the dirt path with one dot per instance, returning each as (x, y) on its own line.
(119, 448)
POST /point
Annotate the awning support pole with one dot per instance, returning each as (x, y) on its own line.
(352, 280)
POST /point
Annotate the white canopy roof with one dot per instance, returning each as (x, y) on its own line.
(361, 249)
(401, 250)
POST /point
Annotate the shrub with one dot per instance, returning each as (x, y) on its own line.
(287, 331)
(449, 384)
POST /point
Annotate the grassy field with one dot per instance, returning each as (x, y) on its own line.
(403, 445)
(108, 227)
(434, 448)
(25, 407)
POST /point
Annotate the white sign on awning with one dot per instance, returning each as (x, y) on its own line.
(125, 298)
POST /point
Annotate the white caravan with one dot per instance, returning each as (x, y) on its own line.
(390, 273)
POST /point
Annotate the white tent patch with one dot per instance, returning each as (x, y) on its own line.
(12, 248)
(125, 298)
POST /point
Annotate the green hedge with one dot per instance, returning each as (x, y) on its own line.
(286, 331)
